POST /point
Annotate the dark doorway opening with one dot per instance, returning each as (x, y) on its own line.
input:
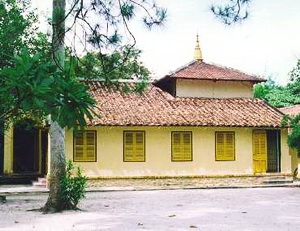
(26, 153)
(1, 147)
(273, 151)
(30, 148)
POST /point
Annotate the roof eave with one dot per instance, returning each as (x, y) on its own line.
(218, 79)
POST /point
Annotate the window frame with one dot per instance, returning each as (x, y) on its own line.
(74, 145)
(144, 145)
(234, 144)
(191, 146)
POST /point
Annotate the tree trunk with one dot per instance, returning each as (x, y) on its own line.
(55, 202)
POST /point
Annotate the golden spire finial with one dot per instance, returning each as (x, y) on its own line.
(198, 53)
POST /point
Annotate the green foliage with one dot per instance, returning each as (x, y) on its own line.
(73, 186)
(121, 65)
(231, 11)
(37, 88)
(295, 73)
(262, 89)
(110, 20)
(294, 137)
(17, 28)
(127, 10)
(278, 96)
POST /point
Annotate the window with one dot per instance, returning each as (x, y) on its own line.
(134, 146)
(85, 146)
(225, 146)
(181, 146)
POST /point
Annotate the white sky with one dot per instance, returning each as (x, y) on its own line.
(267, 44)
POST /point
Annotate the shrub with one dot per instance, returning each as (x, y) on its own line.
(73, 186)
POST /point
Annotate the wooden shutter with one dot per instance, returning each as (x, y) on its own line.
(139, 146)
(90, 146)
(85, 146)
(78, 147)
(259, 151)
(225, 146)
(134, 146)
(181, 146)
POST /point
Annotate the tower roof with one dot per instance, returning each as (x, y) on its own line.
(200, 70)
(197, 52)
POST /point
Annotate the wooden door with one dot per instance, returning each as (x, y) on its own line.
(259, 151)
(273, 147)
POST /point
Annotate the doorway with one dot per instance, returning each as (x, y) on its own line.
(266, 151)
(1, 148)
(30, 145)
(273, 150)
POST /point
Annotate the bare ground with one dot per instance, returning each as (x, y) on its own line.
(267, 209)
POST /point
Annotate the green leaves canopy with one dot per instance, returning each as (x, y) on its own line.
(35, 88)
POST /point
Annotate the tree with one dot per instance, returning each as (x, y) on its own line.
(112, 14)
(16, 28)
(33, 86)
(109, 68)
(281, 96)
(276, 95)
(231, 11)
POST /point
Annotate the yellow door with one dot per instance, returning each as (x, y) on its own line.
(259, 151)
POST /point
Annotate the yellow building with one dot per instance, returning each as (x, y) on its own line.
(200, 120)
(293, 111)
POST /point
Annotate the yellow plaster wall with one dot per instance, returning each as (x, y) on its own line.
(213, 89)
(8, 151)
(158, 153)
(295, 161)
(286, 158)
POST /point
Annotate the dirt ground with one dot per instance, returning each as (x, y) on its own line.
(267, 209)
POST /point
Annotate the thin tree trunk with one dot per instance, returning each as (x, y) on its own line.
(55, 202)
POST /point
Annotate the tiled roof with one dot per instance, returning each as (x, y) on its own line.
(204, 71)
(291, 110)
(155, 107)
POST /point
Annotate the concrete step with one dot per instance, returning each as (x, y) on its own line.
(278, 180)
(40, 183)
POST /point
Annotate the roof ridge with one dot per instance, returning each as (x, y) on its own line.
(292, 106)
(233, 69)
(210, 98)
(211, 71)
(181, 67)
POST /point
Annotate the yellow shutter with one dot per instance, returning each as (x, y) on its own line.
(85, 146)
(78, 148)
(139, 146)
(128, 146)
(176, 150)
(225, 146)
(90, 146)
(134, 146)
(181, 146)
(259, 151)
(219, 146)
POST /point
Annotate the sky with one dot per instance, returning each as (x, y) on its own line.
(267, 44)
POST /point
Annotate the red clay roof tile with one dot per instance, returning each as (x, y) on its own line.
(155, 107)
(204, 71)
(291, 110)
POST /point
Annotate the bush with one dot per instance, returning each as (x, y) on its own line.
(294, 137)
(73, 186)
